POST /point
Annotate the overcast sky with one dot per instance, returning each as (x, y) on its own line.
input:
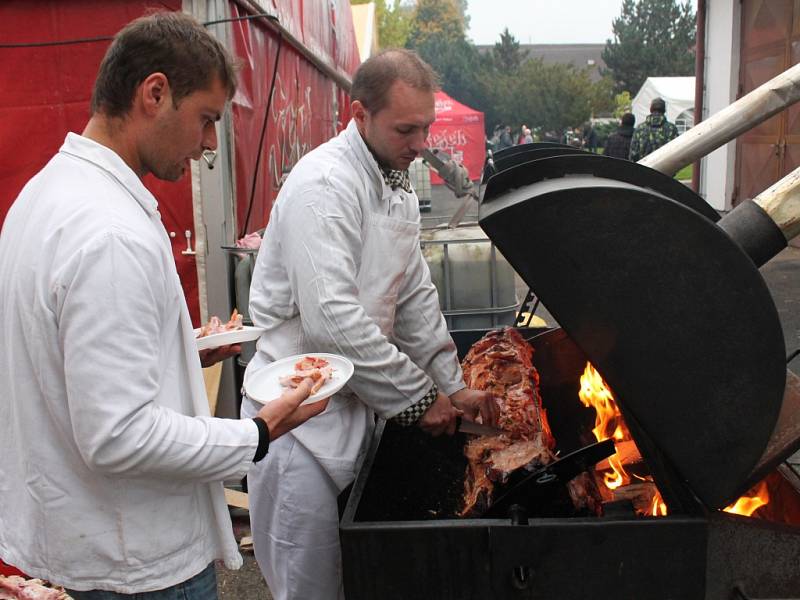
(544, 21)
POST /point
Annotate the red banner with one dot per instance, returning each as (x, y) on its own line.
(307, 108)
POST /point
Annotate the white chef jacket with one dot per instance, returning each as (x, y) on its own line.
(340, 270)
(106, 479)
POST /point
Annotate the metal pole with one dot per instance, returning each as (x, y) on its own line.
(744, 114)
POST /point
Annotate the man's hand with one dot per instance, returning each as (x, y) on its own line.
(474, 403)
(285, 413)
(212, 356)
(440, 417)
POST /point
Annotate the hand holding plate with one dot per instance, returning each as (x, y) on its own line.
(285, 413)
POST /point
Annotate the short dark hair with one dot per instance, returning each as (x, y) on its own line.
(172, 43)
(658, 106)
(628, 120)
(377, 74)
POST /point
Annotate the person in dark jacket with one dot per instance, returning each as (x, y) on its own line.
(653, 133)
(589, 138)
(505, 138)
(618, 144)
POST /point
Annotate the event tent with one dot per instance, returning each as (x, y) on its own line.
(458, 130)
(677, 92)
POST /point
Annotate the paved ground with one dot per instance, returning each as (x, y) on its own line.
(782, 275)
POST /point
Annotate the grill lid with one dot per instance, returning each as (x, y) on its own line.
(671, 311)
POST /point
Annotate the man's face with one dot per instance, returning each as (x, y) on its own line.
(182, 134)
(397, 133)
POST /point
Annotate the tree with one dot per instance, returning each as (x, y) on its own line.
(438, 35)
(624, 104)
(651, 38)
(394, 21)
(462, 71)
(441, 19)
(552, 97)
(506, 53)
(601, 97)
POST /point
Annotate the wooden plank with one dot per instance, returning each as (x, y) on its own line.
(212, 376)
(246, 543)
(237, 499)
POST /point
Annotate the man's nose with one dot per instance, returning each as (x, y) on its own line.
(419, 142)
(210, 137)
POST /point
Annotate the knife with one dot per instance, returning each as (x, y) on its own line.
(465, 426)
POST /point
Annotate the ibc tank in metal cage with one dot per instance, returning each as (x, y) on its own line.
(476, 284)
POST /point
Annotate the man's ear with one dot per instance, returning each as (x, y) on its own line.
(154, 93)
(359, 112)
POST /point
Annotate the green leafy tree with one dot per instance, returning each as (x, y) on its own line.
(438, 35)
(601, 97)
(463, 73)
(651, 38)
(394, 21)
(623, 103)
(442, 19)
(546, 98)
(550, 97)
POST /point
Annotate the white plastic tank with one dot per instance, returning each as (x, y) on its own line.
(476, 284)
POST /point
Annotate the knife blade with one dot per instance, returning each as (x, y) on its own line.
(473, 428)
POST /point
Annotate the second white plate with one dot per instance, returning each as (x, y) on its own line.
(245, 334)
(264, 386)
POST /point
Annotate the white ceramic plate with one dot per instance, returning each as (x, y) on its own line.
(245, 334)
(265, 386)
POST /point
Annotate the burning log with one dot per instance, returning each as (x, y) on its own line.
(627, 454)
(642, 492)
(644, 496)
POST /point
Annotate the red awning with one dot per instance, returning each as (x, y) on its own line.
(458, 130)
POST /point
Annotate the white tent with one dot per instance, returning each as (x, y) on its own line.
(677, 93)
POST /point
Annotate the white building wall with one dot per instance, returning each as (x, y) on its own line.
(723, 31)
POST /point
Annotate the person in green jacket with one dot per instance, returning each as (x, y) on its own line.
(653, 133)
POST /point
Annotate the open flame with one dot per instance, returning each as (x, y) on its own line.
(659, 507)
(750, 503)
(595, 393)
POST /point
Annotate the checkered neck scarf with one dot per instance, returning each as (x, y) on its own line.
(397, 179)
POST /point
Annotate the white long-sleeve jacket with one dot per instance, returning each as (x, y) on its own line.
(340, 270)
(107, 478)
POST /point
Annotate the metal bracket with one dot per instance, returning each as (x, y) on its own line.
(188, 251)
(529, 306)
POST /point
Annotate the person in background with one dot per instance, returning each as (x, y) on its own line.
(341, 271)
(111, 472)
(653, 133)
(589, 138)
(521, 136)
(495, 139)
(527, 138)
(618, 144)
(505, 140)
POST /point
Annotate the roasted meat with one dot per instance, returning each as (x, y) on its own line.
(215, 325)
(500, 363)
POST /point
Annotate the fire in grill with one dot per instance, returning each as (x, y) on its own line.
(665, 300)
(706, 413)
(402, 536)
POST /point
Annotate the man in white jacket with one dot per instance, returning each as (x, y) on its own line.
(111, 471)
(340, 270)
